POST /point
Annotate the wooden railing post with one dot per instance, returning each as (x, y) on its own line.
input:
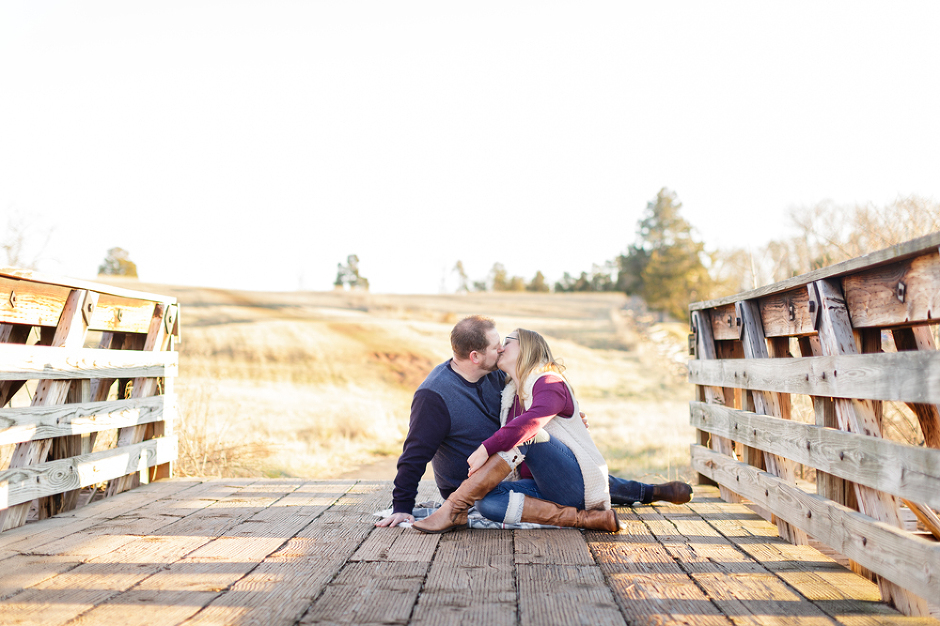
(157, 337)
(767, 403)
(705, 349)
(69, 333)
(836, 338)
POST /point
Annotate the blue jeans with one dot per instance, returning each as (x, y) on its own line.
(628, 492)
(556, 476)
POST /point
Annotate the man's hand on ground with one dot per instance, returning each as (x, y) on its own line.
(395, 519)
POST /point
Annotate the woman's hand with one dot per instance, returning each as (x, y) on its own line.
(477, 459)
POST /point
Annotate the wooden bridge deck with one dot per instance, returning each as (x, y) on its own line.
(287, 552)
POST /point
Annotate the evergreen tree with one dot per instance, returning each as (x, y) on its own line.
(537, 283)
(666, 265)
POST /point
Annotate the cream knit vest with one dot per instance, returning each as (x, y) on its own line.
(573, 433)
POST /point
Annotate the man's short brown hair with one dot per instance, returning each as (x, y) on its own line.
(469, 335)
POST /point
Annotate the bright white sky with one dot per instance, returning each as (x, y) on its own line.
(253, 145)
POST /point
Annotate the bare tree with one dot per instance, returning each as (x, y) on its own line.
(24, 241)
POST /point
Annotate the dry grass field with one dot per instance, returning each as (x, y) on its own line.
(319, 384)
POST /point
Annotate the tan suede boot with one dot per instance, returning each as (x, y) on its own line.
(545, 512)
(453, 513)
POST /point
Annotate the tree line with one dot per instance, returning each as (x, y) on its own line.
(666, 264)
(669, 267)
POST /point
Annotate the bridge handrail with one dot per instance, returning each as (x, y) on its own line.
(851, 337)
(78, 360)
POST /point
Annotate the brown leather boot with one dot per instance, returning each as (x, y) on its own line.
(675, 492)
(545, 512)
(453, 513)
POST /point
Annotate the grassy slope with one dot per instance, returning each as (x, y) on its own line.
(313, 384)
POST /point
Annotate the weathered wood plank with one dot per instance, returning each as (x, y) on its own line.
(907, 292)
(901, 376)
(565, 594)
(724, 323)
(560, 546)
(767, 403)
(648, 584)
(928, 415)
(909, 561)
(13, 334)
(836, 338)
(43, 363)
(787, 314)
(69, 333)
(45, 422)
(24, 484)
(905, 471)
(365, 593)
(35, 279)
(706, 351)
(845, 596)
(739, 585)
(68, 595)
(280, 589)
(158, 340)
(916, 247)
(471, 581)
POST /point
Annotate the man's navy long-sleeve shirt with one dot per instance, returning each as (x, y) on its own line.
(450, 418)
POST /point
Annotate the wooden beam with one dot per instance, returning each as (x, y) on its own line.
(70, 333)
(29, 362)
(705, 349)
(928, 415)
(909, 249)
(22, 485)
(910, 472)
(37, 279)
(157, 340)
(902, 376)
(836, 338)
(14, 334)
(45, 422)
(787, 314)
(905, 559)
(902, 293)
(767, 403)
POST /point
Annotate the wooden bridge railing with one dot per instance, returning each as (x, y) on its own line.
(846, 343)
(86, 373)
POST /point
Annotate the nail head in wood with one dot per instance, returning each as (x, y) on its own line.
(901, 290)
(13, 298)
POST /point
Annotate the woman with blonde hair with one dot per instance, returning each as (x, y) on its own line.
(563, 480)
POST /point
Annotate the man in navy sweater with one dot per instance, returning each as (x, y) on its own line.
(457, 407)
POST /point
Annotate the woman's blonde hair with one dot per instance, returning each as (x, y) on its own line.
(534, 356)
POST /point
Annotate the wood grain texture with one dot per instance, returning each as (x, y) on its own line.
(26, 483)
(69, 333)
(836, 338)
(471, 581)
(283, 552)
(44, 363)
(909, 561)
(29, 423)
(905, 471)
(706, 351)
(914, 248)
(902, 376)
(767, 403)
(38, 279)
(903, 293)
